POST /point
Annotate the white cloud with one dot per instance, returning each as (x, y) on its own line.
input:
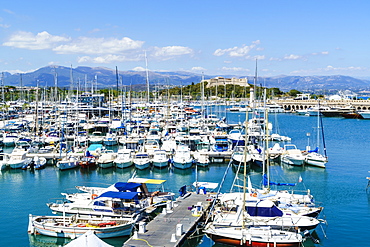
(110, 58)
(350, 68)
(320, 53)
(4, 25)
(8, 11)
(198, 69)
(28, 40)
(330, 69)
(292, 57)
(235, 69)
(236, 51)
(258, 57)
(169, 52)
(139, 69)
(85, 45)
(275, 59)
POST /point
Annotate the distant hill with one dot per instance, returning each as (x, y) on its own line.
(106, 78)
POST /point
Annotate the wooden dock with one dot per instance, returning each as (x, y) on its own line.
(172, 228)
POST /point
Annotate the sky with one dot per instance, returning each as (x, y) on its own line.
(211, 37)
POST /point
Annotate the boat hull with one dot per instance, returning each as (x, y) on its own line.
(292, 161)
(160, 164)
(142, 166)
(70, 231)
(105, 164)
(182, 165)
(123, 164)
(237, 242)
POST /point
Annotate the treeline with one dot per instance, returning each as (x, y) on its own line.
(192, 92)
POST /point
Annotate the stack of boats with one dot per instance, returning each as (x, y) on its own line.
(166, 136)
(109, 212)
(263, 217)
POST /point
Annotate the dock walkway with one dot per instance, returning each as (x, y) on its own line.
(163, 229)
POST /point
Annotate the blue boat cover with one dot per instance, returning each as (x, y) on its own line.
(264, 211)
(314, 151)
(274, 183)
(119, 195)
(121, 186)
(93, 147)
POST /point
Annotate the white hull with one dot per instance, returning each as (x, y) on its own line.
(107, 164)
(160, 164)
(54, 226)
(315, 159)
(67, 164)
(182, 164)
(19, 164)
(123, 164)
(142, 165)
(292, 161)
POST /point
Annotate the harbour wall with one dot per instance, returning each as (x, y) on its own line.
(292, 105)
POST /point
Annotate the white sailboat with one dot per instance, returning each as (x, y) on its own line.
(313, 157)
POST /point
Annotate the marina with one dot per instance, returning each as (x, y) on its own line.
(49, 182)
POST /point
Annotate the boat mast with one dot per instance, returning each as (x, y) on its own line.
(203, 95)
(117, 78)
(322, 133)
(245, 153)
(2, 87)
(55, 86)
(147, 79)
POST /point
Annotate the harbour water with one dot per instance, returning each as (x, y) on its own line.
(340, 187)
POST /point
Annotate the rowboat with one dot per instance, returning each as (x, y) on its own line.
(75, 226)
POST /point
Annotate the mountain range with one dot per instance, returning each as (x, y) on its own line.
(100, 77)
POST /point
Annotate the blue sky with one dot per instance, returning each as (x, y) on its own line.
(213, 37)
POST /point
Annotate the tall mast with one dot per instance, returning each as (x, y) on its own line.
(117, 77)
(21, 87)
(203, 95)
(71, 84)
(2, 87)
(255, 87)
(55, 97)
(147, 77)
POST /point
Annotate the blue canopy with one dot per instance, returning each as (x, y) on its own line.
(121, 186)
(93, 147)
(264, 211)
(314, 151)
(120, 195)
(274, 183)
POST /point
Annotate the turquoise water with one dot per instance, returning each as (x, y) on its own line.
(340, 187)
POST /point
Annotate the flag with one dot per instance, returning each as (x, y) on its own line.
(300, 179)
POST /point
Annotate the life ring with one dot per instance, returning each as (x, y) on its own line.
(254, 194)
(93, 196)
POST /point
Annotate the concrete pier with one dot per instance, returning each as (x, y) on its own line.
(173, 226)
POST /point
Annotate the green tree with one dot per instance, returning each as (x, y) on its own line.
(293, 93)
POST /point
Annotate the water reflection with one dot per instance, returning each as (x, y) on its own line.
(46, 241)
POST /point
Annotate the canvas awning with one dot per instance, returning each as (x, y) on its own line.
(146, 181)
(119, 195)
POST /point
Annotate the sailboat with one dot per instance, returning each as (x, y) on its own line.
(313, 157)
(238, 232)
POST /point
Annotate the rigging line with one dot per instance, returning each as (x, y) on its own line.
(219, 189)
